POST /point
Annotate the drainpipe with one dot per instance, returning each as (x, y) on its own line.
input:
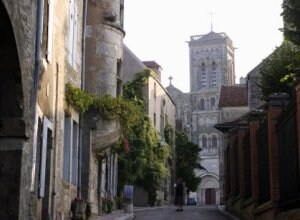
(79, 189)
(34, 94)
(38, 39)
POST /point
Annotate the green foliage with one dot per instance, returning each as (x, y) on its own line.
(291, 17)
(277, 70)
(133, 90)
(146, 163)
(127, 111)
(187, 160)
(80, 100)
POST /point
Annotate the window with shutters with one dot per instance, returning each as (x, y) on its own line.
(75, 153)
(42, 159)
(67, 148)
(70, 153)
(48, 29)
(73, 31)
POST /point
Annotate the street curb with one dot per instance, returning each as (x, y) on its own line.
(222, 209)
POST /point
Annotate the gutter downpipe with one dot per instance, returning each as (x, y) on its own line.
(39, 27)
(34, 104)
(79, 189)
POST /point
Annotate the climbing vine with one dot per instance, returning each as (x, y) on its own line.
(146, 162)
(127, 111)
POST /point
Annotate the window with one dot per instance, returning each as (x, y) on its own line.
(67, 150)
(213, 103)
(75, 153)
(154, 119)
(50, 30)
(119, 79)
(203, 68)
(204, 142)
(203, 76)
(70, 153)
(214, 75)
(42, 158)
(202, 104)
(73, 26)
(214, 141)
(154, 90)
(214, 66)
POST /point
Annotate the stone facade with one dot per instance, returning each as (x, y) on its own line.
(44, 45)
(211, 66)
(254, 92)
(104, 55)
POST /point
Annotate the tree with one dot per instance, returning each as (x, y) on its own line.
(291, 18)
(278, 71)
(187, 160)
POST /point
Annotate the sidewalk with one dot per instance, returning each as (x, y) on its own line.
(121, 215)
(222, 209)
(115, 215)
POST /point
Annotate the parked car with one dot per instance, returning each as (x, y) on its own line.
(191, 201)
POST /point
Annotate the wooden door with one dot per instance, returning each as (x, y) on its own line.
(210, 196)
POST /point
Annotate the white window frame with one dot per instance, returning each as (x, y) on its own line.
(46, 125)
(50, 30)
(73, 30)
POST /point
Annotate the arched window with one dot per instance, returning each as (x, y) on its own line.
(214, 142)
(202, 104)
(203, 76)
(213, 103)
(204, 142)
(214, 66)
(203, 67)
(214, 75)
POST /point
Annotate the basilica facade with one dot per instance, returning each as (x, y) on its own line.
(212, 65)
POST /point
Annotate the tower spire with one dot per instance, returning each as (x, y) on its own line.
(211, 20)
(170, 78)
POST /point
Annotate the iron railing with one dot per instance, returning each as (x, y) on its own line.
(263, 162)
(289, 179)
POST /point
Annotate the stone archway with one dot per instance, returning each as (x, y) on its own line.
(11, 94)
(12, 125)
(209, 192)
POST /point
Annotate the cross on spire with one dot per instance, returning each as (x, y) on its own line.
(170, 78)
(211, 20)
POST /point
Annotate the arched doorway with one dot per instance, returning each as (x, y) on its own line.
(209, 192)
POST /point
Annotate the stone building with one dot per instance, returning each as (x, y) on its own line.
(211, 66)
(103, 63)
(44, 45)
(161, 110)
(254, 92)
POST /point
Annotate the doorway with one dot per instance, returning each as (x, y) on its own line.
(210, 196)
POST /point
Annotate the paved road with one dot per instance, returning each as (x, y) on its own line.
(189, 213)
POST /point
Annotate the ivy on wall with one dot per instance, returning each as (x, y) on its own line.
(110, 108)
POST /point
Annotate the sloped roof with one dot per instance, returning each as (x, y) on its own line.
(152, 64)
(209, 36)
(233, 96)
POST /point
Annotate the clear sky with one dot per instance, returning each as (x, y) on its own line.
(159, 29)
